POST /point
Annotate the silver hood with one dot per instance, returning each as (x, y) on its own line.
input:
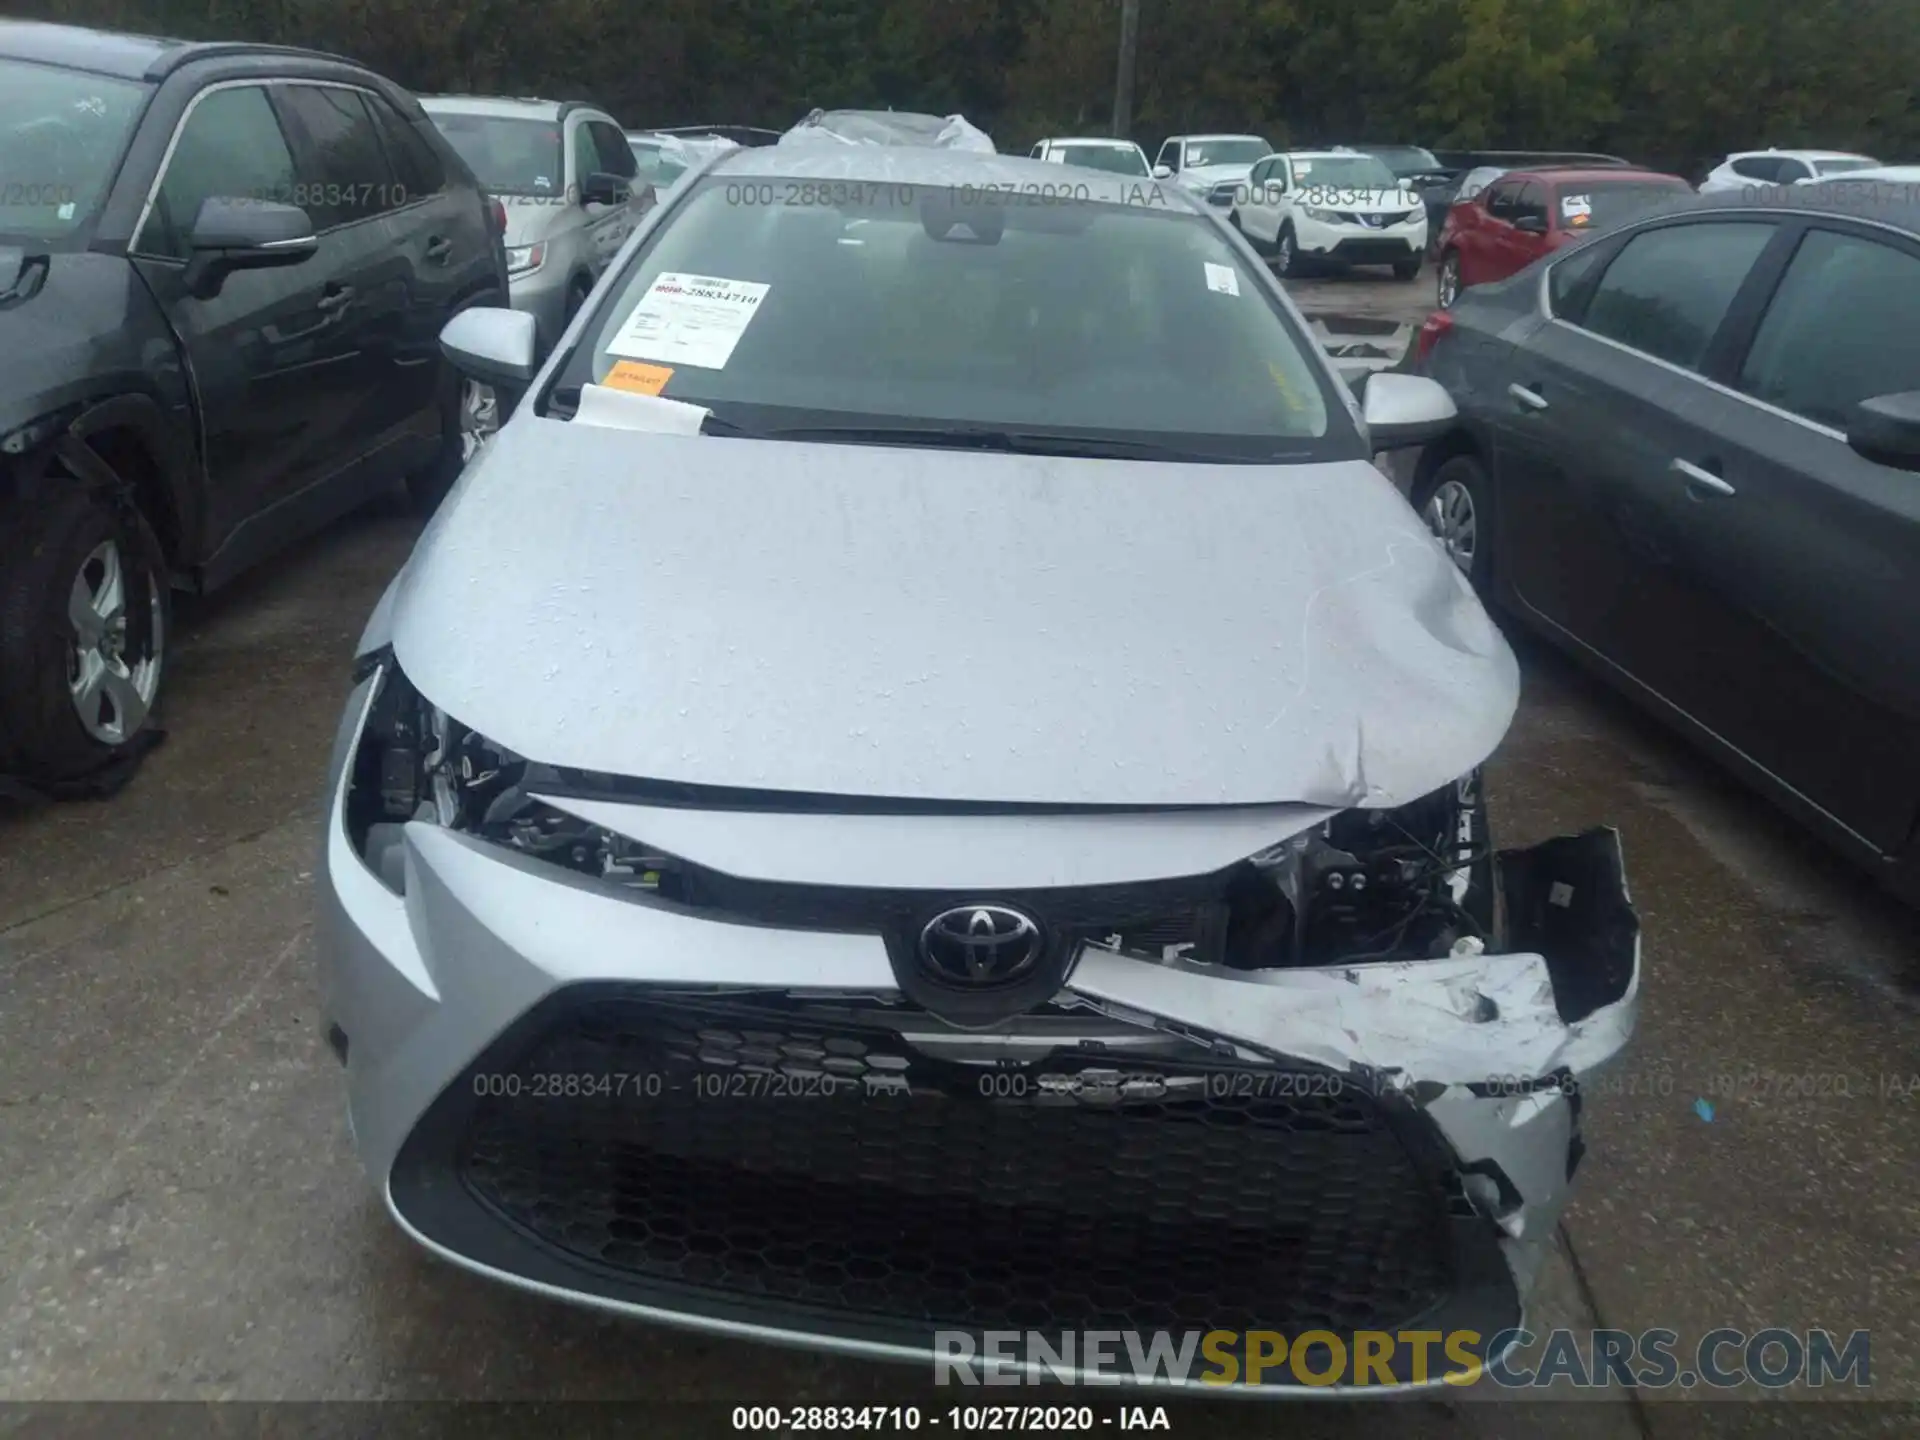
(867, 620)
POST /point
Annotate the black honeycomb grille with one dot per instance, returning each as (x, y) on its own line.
(748, 1153)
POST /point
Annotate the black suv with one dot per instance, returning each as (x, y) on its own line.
(224, 270)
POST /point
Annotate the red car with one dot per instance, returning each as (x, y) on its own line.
(1528, 213)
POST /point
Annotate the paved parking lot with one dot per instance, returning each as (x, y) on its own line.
(181, 1217)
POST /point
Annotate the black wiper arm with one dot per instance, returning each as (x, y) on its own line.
(972, 437)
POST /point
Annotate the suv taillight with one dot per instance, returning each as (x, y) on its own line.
(498, 210)
(1437, 324)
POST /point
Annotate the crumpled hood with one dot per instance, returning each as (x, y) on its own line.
(881, 621)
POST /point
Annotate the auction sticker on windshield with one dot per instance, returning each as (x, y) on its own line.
(1576, 209)
(1222, 278)
(689, 320)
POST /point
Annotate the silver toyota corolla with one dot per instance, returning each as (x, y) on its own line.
(924, 782)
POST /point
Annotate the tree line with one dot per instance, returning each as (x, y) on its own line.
(1675, 83)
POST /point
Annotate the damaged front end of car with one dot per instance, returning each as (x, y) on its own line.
(786, 1068)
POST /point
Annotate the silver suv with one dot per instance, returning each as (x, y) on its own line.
(570, 187)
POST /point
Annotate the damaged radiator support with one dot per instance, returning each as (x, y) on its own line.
(1491, 1047)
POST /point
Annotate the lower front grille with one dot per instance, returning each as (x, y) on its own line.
(1373, 252)
(791, 1164)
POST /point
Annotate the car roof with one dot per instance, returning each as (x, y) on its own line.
(1592, 174)
(917, 165)
(1222, 135)
(1802, 154)
(1328, 153)
(126, 56)
(1842, 197)
(505, 107)
(1107, 140)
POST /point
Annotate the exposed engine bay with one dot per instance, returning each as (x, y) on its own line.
(1413, 882)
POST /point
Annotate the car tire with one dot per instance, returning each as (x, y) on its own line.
(1454, 503)
(1406, 269)
(1447, 286)
(1286, 255)
(75, 703)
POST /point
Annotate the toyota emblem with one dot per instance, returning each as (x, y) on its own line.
(981, 944)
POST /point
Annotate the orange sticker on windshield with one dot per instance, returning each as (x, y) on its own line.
(640, 379)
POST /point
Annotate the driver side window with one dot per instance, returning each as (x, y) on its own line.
(1500, 200)
(1170, 155)
(231, 145)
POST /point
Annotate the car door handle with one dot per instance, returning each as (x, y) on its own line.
(1530, 399)
(438, 249)
(335, 299)
(1704, 478)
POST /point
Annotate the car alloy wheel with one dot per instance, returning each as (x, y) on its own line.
(479, 417)
(1450, 515)
(1449, 281)
(112, 690)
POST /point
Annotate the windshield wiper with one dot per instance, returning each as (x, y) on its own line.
(1014, 442)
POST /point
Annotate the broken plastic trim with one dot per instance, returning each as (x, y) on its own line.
(1469, 1021)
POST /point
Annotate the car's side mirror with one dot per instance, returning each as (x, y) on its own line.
(1886, 430)
(491, 344)
(1163, 172)
(232, 234)
(1402, 411)
(604, 188)
(1530, 225)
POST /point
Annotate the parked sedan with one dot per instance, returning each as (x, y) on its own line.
(1746, 170)
(1690, 458)
(1529, 213)
(926, 751)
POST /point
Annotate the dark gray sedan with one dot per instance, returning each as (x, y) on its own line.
(1689, 456)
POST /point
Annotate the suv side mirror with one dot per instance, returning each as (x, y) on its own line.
(235, 234)
(1162, 172)
(604, 188)
(491, 344)
(1886, 430)
(1403, 411)
(1530, 225)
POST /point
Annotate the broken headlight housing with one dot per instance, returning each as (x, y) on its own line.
(417, 763)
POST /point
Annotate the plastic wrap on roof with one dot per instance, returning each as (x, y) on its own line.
(889, 127)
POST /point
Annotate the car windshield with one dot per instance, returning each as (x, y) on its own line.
(62, 133)
(657, 166)
(1597, 204)
(509, 155)
(899, 307)
(1406, 160)
(1118, 159)
(1842, 167)
(1248, 150)
(1344, 172)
